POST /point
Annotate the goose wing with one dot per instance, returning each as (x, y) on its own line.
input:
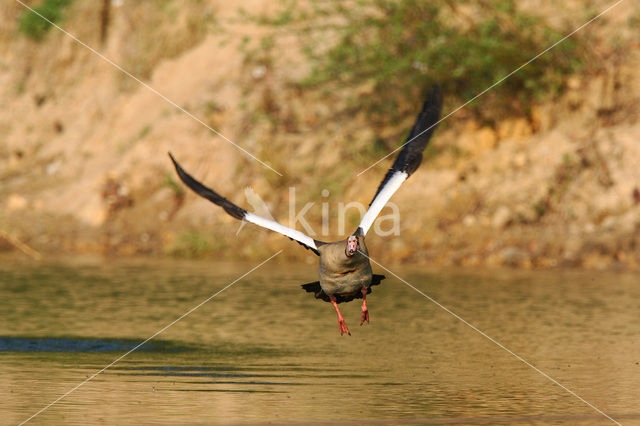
(409, 157)
(242, 214)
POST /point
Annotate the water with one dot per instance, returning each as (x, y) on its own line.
(265, 351)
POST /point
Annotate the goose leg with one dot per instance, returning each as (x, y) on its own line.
(365, 311)
(341, 324)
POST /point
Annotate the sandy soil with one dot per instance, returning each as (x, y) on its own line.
(83, 164)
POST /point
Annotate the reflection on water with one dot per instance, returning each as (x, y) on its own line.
(67, 344)
(266, 351)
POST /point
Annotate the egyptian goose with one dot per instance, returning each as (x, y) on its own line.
(345, 270)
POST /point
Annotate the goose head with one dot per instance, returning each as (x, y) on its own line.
(353, 244)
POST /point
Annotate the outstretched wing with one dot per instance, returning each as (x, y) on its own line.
(242, 214)
(409, 157)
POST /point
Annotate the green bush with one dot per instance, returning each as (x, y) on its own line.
(33, 26)
(397, 49)
(190, 244)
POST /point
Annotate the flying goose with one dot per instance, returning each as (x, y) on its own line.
(345, 271)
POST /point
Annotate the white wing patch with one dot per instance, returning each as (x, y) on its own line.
(281, 229)
(381, 199)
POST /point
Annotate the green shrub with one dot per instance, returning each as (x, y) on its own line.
(190, 244)
(34, 26)
(397, 49)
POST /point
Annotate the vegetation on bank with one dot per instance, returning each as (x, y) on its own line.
(393, 50)
(320, 84)
(387, 51)
(32, 23)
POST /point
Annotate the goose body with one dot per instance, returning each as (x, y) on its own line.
(344, 268)
(343, 275)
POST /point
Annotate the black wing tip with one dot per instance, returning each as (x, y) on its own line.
(432, 108)
(173, 160)
(208, 193)
(177, 166)
(184, 176)
(435, 94)
(432, 103)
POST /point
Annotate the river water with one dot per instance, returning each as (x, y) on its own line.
(265, 351)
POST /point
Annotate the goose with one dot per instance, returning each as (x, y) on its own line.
(345, 271)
